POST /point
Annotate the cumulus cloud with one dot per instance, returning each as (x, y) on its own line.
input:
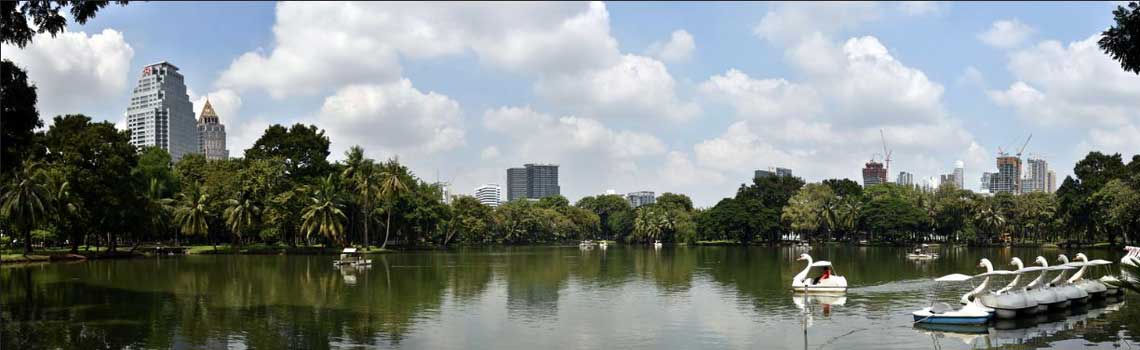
(637, 86)
(762, 98)
(75, 72)
(1006, 33)
(789, 22)
(322, 46)
(679, 48)
(394, 118)
(922, 8)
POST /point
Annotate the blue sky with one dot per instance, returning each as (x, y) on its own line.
(681, 97)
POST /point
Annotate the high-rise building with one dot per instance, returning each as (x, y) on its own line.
(516, 184)
(783, 172)
(532, 181)
(1008, 177)
(987, 182)
(160, 113)
(874, 173)
(1051, 181)
(960, 174)
(1037, 176)
(772, 171)
(905, 178)
(489, 194)
(763, 173)
(211, 134)
(640, 198)
(947, 179)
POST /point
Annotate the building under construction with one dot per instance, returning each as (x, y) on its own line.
(1008, 177)
(874, 173)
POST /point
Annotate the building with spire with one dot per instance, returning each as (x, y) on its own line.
(160, 113)
(211, 134)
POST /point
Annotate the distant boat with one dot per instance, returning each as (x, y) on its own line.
(657, 244)
(587, 244)
(922, 252)
(351, 257)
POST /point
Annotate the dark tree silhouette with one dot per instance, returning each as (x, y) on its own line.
(1122, 41)
(14, 17)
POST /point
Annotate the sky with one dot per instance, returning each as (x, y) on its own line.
(666, 97)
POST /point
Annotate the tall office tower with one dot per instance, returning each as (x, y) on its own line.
(960, 174)
(947, 179)
(542, 180)
(516, 184)
(211, 134)
(1037, 177)
(160, 113)
(1051, 181)
(987, 182)
(763, 173)
(488, 194)
(905, 178)
(640, 198)
(1008, 177)
(874, 173)
(783, 172)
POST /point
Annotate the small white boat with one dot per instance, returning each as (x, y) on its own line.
(1047, 298)
(602, 244)
(1010, 301)
(942, 313)
(923, 252)
(1076, 296)
(587, 244)
(831, 284)
(1094, 288)
(351, 257)
(657, 244)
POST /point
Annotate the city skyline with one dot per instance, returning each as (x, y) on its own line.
(715, 103)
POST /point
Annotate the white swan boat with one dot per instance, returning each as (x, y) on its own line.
(1047, 298)
(1004, 305)
(1012, 301)
(923, 252)
(1076, 296)
(351, 257)
(941, 313)
(1094, 288)
(802, 283)
(657, 244)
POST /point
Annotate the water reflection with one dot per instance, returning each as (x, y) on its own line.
(518, 297)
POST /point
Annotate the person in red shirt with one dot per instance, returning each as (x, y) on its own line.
(825, 275)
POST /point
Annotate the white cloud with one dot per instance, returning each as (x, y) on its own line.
(241, 131)
(789, 22)
(226, 104)
(393, 118)
(489, 152)
(637, 86)
(922, 8)
(973, 77)
(1070, 85)
(679, 48)
(322, 46)
(75, 72)
(1007, 33)
(762, 98)
(740, 148)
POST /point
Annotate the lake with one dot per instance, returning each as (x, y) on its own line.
(526, 298)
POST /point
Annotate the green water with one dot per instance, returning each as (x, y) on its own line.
(523, 298)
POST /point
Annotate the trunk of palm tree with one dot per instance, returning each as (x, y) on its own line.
(27, 242)
(367, 222)
(387, 229)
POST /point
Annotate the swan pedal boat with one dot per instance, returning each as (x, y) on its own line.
(1094, 288)
(351, 257)
(972, 313)
(803, 284)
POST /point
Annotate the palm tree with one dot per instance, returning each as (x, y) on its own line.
(362, 175)
(158, 208)
(242, 214)
(393, 183)
(25, 202)
(191, 214)
(354, 164)
(991, 219)
(323, 215)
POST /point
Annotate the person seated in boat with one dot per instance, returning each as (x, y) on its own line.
(824, 275)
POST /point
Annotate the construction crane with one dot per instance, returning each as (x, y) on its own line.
(1022, 149)
(886, 156)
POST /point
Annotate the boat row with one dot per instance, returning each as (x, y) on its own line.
(1015, 300)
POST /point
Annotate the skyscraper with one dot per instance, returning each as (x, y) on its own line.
(905, 178)
(488, 194)
(1037, 176)
(211, 134)
(532, 181)
(874, 173)
(987, 182)
(772, 171)
(947, 179)
(516, 184)
(960, 174)
(160, 113)
(1008, 177)
(783, 172)
(1051, 181)
(640, 198)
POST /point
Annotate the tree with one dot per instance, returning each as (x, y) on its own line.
(158, 206)
(557, 202)
(470, 221)
(844, 187)
(675, 201)
(304, 149)
(1122, 41)
(20, 117)
(652, 223)
(24, 202)
(806, 212)
(613, 211)
(191, 213)
(242, 214)
(323, 215)
(394, 182)
(14, 16)
(362, 177)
